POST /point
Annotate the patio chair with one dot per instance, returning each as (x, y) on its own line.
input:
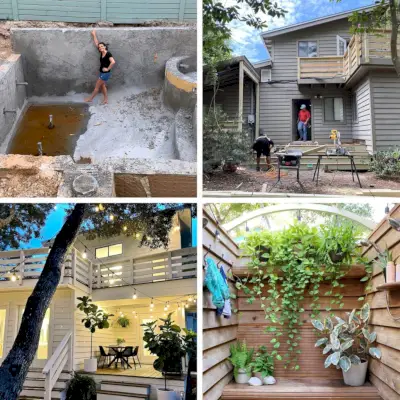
(136, 354)
(103, 355)
(128, 352)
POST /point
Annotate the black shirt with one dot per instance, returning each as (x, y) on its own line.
(105, 61)
(262, 144)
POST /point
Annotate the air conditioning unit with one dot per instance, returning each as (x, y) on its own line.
(266, 75)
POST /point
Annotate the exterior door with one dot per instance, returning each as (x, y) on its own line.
(145, 356)
(341, 46)
(44, 350)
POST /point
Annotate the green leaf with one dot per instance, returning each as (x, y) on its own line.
(355, 359)
(345, 363)
(318, 325)
(321, 341)
(366, 278)
(346, 345)
(327, 349)
(335, 358)
(375, 352)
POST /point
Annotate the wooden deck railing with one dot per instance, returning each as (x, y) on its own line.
(21, 265)
(177, 264)
(362, 50)
(56, 364)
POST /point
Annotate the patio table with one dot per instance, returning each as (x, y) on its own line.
(118, 356)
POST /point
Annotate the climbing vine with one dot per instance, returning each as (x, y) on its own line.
(286, 270)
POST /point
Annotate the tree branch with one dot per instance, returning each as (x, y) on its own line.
(394, 36)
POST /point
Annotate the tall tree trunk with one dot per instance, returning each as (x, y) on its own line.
(15, 367)
(395, 32)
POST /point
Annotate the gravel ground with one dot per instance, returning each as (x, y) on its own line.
(335, 183)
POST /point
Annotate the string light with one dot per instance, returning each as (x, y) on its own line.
(97, 209)
(165, 307)
(218, 235)
(137, 235)
(195, 299)
(190, 299)
(14, 277)
(101, 207)
(179, 306)
(151, 304)
(111, 217)
(167, 304)
(186, 305)
(134, 297)
(125, 228)
(84, 255)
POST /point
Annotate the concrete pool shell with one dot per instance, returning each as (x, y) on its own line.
(143, 143)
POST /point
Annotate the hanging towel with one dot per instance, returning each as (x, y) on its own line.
(216, 284)
(227, 310)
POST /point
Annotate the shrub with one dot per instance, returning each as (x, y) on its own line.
(386, 163)
(241, 357)
(81, 387)
(222, 145)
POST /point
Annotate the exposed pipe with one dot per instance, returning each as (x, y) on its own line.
(9, 111)
(40, 148)
(22, 83)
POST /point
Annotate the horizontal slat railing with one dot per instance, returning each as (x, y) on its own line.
(177, 264)
(56, 364)
(321, 67)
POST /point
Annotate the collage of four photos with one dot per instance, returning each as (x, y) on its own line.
(200, 199)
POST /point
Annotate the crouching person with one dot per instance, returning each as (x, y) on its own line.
(263, 146)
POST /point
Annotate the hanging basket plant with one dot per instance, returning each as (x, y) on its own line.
(123, 321)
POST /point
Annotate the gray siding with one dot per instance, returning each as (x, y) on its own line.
(228, 98)
(276, 110)
(277, 114)
(362, 128)
(385, 87)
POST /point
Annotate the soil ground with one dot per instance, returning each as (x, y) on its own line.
(20, 178)
(334, 183)
(5, 26)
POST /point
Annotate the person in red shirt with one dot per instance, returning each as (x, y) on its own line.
(302, 123)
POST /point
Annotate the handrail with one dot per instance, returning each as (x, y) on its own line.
(56, 364)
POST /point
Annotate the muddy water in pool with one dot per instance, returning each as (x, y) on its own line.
(69, 120)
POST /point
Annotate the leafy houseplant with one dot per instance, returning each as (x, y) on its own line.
(170, 346)
(241, 357)
(348, 344)
(120, 341)
(123, 321)
(263, 363)
(81, 387)
(95, 319)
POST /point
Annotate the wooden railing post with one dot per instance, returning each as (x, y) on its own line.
(169, 272)
(90, 276)
(99, 278)
(47, 386)
(73, 266)
(21, 266)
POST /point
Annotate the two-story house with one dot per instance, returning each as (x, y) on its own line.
(348, 83)
(123, 279)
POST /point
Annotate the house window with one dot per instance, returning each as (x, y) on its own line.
(109, 251)
(308, 49)
(354, 107)
(334, 109)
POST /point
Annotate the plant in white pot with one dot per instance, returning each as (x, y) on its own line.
(170, 346)
(241, 357)
(348, 344)
(263, 366)
(95, 319)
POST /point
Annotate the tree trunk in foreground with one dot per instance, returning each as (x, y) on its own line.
(15, 367)
(394, 37)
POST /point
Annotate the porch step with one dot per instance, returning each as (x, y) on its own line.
(110, 395)
(307, 388)
(126, 388)
(37, 393)
(39, 383)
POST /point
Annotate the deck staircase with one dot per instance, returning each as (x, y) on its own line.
(114, 390)
(34, 385)
(306, 388)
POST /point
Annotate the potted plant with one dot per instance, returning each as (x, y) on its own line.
(338, 242)
(240, 358)
(81, 387)
(348, 344)
(123, 321)
(120, 341)
(263, 365)
(170, 346)
(95, 319)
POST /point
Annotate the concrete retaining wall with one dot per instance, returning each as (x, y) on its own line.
(58, 61)
(12, 97)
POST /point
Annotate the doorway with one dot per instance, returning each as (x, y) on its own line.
(296, 108)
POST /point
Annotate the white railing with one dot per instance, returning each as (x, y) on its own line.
(20, 265)
(177, 264)
(56, 364)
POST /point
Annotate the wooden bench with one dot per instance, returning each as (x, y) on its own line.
(303, 388)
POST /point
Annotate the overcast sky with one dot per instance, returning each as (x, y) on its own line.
(246, 40)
